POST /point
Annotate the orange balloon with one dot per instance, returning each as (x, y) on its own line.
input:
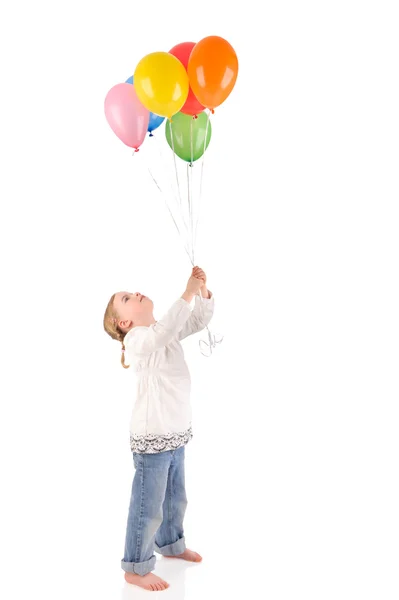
(212, 70)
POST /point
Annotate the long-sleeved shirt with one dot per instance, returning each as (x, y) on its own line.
(161, 416)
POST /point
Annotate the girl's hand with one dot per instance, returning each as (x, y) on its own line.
(200, 274)
(197, 272)
(194, 285)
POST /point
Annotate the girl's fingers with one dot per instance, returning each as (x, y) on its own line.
(197, 272)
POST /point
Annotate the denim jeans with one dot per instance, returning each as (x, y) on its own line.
(156, 512)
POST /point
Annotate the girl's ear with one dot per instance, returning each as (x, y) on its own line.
(126, 324)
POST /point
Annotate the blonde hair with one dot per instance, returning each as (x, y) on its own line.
(112, 328)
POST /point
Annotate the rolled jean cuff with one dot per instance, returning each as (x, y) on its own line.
(172, 549)
(140, 568)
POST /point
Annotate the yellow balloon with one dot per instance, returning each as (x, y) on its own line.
(161, 83)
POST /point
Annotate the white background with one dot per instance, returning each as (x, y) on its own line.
(292, 476)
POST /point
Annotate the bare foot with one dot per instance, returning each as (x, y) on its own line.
(148, 582)
(189, 555)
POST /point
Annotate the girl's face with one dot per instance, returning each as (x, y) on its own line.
(132, 309)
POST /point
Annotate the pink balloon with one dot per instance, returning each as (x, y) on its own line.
(126, 116)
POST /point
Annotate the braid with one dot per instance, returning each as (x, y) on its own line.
(123, 357)
(112, 328)
(121, 338)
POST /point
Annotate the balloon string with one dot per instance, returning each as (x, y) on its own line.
(206, 346)
(173, 192)
(190, 176)
(170, 212)
(189, 210)
(201, 179)
(177, 176)
(168, 205)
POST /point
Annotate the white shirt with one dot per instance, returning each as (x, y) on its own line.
(161, 416)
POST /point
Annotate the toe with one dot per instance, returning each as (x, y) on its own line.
(194, 556)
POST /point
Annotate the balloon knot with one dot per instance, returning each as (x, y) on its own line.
(151, 134)
(212, 111)
(195, 117)
(136, 149)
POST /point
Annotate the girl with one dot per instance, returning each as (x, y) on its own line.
(160, 424)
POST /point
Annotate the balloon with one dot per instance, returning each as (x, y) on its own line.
(181, 128)
(161, 83)
(212, 70)
(127, 117)
(182, 52)
(155, 120)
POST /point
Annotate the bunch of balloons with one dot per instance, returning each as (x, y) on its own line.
(178, 85)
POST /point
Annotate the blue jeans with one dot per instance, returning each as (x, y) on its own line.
(156, 512)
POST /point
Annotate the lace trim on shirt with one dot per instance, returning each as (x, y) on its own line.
(151, 443)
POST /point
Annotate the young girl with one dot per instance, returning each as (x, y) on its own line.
(160, 424)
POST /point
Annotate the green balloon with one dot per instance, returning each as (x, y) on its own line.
(181, 128)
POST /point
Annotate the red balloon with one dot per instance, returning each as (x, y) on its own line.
(182, 52)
